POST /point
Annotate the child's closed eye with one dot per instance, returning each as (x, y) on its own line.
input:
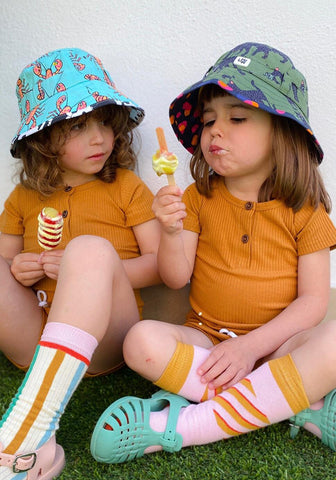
(208, 123)
(238, 119)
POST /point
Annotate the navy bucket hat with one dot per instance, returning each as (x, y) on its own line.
(255, 74)
(63, 84)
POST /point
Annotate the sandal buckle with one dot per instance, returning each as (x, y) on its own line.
(292, 425)
(293, 430)
(24, 458)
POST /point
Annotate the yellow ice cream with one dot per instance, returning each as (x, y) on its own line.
(164, 163)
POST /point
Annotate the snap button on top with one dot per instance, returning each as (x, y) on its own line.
(245, 238)
(65, 213)
(68, 188)
(248, 205)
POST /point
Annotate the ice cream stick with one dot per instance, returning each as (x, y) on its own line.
(164, 149)
(161, 139)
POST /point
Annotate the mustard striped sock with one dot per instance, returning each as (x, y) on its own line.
(180, 375)
(60, 361)
(268, 395)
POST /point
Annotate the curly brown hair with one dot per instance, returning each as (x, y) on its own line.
(295, 178)
(39, 169)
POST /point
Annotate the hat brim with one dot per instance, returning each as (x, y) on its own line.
(89, 96)
(186, 120)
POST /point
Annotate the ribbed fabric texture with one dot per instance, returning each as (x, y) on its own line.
(181, 377)
(248, 251)
(84, 343)
(270, 394)
(108, 210)
(54, 374)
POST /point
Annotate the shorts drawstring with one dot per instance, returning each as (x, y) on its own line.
(228, 332)
(42, 298)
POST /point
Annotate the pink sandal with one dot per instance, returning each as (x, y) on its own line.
(44, 464)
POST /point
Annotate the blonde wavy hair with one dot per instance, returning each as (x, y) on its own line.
(38, 165)
(295, 178)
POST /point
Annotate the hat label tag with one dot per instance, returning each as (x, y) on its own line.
(242, 61)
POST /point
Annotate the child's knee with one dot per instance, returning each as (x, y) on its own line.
(88, 242)
(89, 247)
(138, 342)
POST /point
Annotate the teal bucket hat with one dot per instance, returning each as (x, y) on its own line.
(256, 74)
(63, 84)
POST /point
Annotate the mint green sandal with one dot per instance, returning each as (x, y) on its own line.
(324, 419)
(122, 432)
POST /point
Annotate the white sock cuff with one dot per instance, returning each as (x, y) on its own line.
(71, 337)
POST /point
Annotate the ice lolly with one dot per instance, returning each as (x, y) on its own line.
(50, 226)
(163, 161)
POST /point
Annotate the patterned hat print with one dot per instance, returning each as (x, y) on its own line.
(255, 74)
(63, 84)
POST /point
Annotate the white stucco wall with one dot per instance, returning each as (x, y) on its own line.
(156, 48)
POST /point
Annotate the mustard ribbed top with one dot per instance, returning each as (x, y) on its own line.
(247, 256)
(108, 210)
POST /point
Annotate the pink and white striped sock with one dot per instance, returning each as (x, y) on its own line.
(268, 395)
(181, 377)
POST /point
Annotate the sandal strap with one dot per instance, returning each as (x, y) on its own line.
(46, 462)
(171, 441)
(18, 462)
(298, 421)
(327, 423)
(123, 431)
(324, 419)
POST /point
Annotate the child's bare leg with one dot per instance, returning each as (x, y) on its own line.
(301, 378)
(149, 345)
(153, 349)
(313, 422)
(90, 279)
(315, 359)
(313, 352)
(19, 312)
(277, 390)
(95, 295)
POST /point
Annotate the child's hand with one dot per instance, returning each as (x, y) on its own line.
(26, 269)
(228, 363)
(50, 261)
(169, 209)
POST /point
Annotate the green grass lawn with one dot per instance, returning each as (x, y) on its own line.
(267, 454)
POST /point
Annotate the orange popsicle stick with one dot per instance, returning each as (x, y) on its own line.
(164, 149)
(161, 139)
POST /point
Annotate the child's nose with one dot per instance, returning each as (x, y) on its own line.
(96, 135)
(218, 128)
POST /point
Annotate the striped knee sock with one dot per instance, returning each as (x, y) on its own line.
(180, 375)
(268, 395)
(60, 361)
